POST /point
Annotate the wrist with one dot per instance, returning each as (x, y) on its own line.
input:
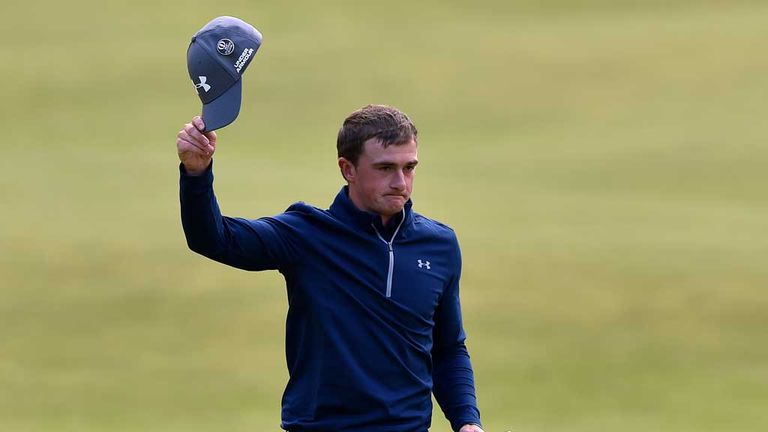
(194, 173)
(195, 170)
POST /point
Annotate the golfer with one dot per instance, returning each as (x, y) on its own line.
(374, 320)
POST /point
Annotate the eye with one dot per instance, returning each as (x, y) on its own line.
(410, 168)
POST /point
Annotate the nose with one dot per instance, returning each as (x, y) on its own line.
(398, 181)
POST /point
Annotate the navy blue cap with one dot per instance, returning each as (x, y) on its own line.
(217, 57)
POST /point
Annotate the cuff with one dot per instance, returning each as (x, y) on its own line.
(457, 424)
(203, 180)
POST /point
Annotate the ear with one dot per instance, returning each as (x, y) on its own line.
(348, 170)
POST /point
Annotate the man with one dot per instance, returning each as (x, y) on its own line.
(374, 320)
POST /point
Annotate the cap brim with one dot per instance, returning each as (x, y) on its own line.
(224, 109)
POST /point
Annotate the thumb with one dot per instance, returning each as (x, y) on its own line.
(211, 135)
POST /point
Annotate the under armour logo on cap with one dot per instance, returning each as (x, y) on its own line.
(202, 84)
(218, 55)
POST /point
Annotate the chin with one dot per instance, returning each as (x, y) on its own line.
(395, 210)
(389, 210)
(390, 207)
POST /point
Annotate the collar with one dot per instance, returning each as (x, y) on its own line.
(345, 210)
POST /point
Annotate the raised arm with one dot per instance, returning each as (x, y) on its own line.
(259, 244)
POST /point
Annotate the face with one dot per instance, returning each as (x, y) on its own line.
(382, 180)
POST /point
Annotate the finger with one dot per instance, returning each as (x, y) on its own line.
(211, 137)
(197, 121)
(186, 150)
(183, 134)
(184, 144)
(195, 134)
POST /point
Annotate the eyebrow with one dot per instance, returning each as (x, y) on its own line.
(388, 164)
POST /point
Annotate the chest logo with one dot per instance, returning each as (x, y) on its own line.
(424, 264)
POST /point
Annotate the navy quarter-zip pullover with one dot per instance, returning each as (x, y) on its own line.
(374, 319)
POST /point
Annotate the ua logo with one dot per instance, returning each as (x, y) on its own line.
(424, 264)
(202, 84)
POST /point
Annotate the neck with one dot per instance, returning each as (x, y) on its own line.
(355, 199)
(359, 205)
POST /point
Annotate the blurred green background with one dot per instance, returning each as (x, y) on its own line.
(602, 162)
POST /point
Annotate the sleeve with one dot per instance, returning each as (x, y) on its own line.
(454, 383)
(261, 244)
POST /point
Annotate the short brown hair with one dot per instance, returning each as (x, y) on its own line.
(389, 125)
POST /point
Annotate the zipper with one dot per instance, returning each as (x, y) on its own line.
(391, 253)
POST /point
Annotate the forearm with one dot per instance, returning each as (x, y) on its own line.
(454, 386)
(200, 214)
(226, 240)
(245, 244)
